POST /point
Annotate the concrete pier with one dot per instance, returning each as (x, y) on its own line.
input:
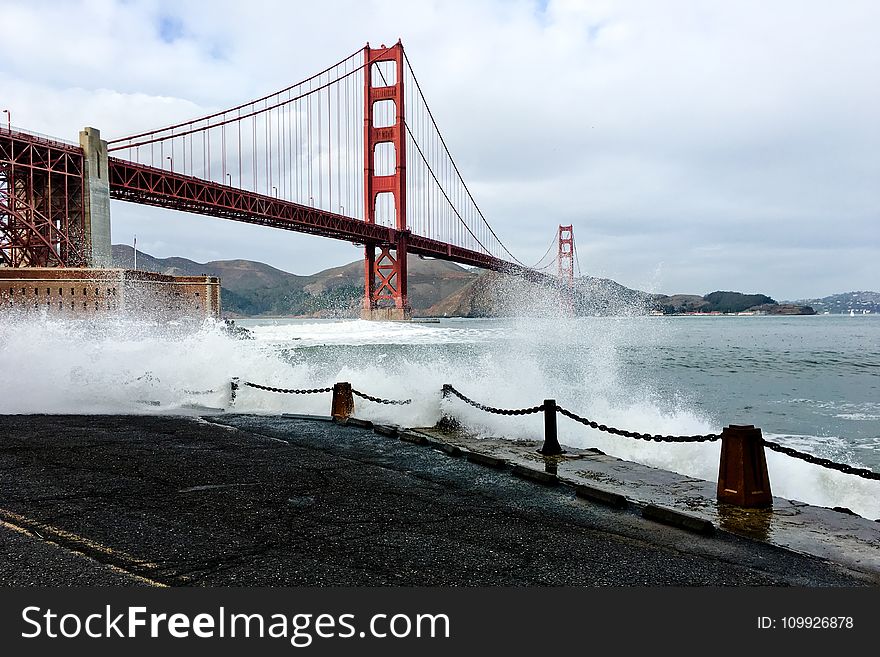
(386, 314)
(97, 197)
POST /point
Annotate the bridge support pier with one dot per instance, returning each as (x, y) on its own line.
(96, 178)
(385, 295)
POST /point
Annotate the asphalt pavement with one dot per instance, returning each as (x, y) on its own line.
(239, 500)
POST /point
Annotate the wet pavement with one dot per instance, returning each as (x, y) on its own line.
(245, 500)
(838, 536)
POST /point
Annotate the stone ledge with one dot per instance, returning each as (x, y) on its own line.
(601, 496)
(546, 478)
(485, 459)
(678, 519)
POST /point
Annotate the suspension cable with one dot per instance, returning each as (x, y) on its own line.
(454, 165)
(238, 107)
(546, 253)
(576, 259)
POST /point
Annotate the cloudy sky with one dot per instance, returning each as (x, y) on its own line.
(694, 145)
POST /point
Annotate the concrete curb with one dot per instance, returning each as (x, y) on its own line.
(412, 437)
(355, 422)
(485, 459)
(546, 478)
(601, 496)
(678, 519)
(452, 450)
(385, 430)
(301, 416)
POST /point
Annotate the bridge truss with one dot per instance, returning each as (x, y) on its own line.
(42, 206)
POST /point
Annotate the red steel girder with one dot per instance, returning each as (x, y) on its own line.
(138, 183)
(30, 239)
(42, 211)
(147, 185)
(61, 164)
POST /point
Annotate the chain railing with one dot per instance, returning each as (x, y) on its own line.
(447, 388)
(288, 391)
(551, 443)
(745, 482)
(379, 400)
(709, 437)
(342, 405)
(825, 463)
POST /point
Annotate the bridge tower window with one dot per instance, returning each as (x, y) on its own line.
(384, 113)
(384, 74)
(384, 159)
(385, 215)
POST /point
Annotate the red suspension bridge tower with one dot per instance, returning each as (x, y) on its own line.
(565, 265)
(385, 293)
(565, 257)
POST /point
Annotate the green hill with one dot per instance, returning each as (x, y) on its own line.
(253, 288)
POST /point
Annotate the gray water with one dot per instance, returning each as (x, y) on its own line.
(817, 377)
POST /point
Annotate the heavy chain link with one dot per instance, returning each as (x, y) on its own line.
(709, 437)
(491, 409)
(825, 463)
(310, 391)
(398, 402)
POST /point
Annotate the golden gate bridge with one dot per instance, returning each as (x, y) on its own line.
(351, 153)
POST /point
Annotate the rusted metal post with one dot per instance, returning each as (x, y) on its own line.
(444, 396)
(551, 440)
(446, 421)
(233, 391)
(342, 405)
(742, 473)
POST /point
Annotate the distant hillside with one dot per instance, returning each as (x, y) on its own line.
(253, 288)
(726, 302)
(862, 302)
(429, 281)
(444, 289)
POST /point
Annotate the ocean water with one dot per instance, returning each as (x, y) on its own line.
(809, 382)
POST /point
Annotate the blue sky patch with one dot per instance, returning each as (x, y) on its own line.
(170, 28)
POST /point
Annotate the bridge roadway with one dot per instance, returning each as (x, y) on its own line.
(232, 500)
(147, 185)
(139, 183)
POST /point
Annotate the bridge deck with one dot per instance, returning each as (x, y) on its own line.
(139, 183)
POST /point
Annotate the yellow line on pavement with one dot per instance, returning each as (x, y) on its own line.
(117, 560)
